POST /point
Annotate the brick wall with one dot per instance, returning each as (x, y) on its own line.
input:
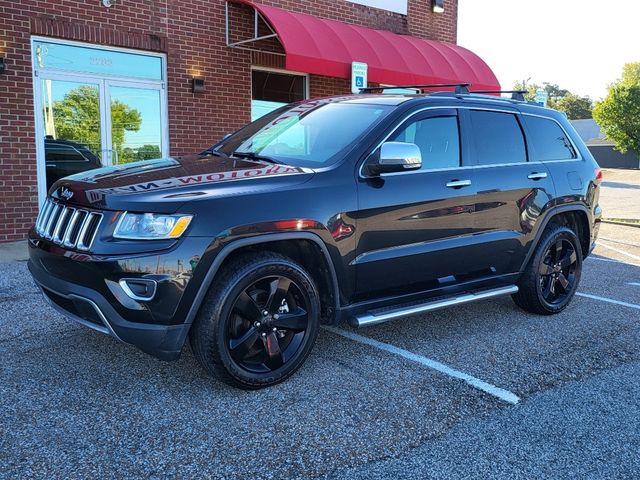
(191, 32)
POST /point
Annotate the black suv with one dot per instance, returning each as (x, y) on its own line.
(362, 208)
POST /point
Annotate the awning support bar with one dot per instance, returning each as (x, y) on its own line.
(257, 16)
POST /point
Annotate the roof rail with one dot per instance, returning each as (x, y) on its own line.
(515, 94)
(460, 88)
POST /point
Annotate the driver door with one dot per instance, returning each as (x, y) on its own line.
(413, 226)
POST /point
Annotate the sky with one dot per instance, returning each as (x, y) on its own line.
(579, 44)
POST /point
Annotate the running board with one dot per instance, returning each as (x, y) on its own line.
(384, 315)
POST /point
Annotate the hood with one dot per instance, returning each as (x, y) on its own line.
(168, 183)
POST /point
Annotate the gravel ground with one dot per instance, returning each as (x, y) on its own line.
(77, 404)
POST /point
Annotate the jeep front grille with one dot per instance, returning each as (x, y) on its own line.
(68, 226)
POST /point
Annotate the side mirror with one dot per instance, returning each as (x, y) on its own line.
(395, 157)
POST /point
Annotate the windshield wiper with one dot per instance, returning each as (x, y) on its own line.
(213, 151)
(255, 156)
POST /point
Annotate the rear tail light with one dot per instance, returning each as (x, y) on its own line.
(598, 173)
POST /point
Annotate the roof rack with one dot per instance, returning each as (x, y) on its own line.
(460, 88)
(515, 94)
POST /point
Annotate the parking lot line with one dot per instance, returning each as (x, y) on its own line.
(608, 300)
(498, 392)
(621, 252)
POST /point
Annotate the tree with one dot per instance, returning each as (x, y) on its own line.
(77, 118)
(575, 106)
(146, 152)
(618, 115)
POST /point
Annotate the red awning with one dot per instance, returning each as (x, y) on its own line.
(327, 47)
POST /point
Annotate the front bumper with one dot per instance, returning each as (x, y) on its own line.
(90, 309)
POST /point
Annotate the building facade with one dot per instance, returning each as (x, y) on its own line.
(104, 82)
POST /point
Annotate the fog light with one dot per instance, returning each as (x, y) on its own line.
(139, 288)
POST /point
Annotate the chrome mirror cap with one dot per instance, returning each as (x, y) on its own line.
(396, 157)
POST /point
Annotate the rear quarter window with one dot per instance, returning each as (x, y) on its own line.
(548, 139)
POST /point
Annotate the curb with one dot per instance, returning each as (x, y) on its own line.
(624, 224)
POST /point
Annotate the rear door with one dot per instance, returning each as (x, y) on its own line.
(412, 225)
(512, 189)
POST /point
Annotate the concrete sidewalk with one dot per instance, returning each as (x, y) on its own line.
(13, 251)
(620, 194)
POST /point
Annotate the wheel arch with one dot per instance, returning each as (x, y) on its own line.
(292, 244)
(575, 217)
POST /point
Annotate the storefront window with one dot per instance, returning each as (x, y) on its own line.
(271, 90)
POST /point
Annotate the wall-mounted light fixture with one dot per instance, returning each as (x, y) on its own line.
(197, 85)
(437, 6)
(3, 65)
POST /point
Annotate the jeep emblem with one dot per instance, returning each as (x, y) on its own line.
(66, 193)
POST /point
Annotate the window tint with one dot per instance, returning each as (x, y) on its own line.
(498, 138)
(62, 153)
(548, 140)
(438, 141)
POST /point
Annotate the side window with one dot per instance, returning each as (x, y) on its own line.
(437, 138)
(498, 138)
(548, 140)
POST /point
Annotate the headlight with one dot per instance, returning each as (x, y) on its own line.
(151, 226)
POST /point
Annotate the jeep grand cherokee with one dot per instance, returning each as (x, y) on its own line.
(360, 208)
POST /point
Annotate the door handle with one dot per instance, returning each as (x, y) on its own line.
(537, 175)
(458, 183)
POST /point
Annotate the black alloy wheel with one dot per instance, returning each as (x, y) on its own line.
(558, 271)
(258, 322)
(551, 277)
(267, 324)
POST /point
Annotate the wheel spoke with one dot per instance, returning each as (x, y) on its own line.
(240, 347)
(548, 288)
(295, 320)
(558, 251)
(568, 259)
(545, 269)
(247, 307)
(278, 291)
(562, 280)
(274, 354)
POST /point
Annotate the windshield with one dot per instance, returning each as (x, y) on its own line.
(310, 134)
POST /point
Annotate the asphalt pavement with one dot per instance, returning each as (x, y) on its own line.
(78, 404)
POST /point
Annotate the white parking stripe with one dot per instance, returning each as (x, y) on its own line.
(608, 300)
(621, 252)
(500, 393)
(635, 284)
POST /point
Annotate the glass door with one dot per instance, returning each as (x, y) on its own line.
(71, 126)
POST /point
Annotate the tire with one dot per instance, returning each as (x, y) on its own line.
(258, 322)
(551, 278)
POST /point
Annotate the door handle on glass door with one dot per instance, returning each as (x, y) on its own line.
(458, 183)
(537, 175)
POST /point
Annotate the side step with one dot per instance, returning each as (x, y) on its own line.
(384, 315)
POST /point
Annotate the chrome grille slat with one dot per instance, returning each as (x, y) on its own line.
(46, 211)
(85, 238)
(67, 241)
(68, 226)
(63, 224)
(55, 211)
